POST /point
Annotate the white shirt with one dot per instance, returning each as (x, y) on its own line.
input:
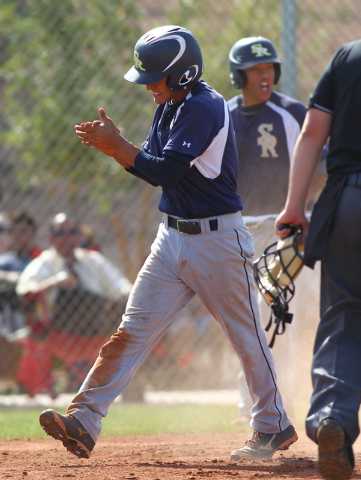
(95, 272)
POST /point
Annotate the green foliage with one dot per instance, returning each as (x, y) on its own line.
(133, 420)
(218, 25)
(72, 59)
(61, 61)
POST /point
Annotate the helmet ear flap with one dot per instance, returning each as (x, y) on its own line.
(238, 78)
(277, 69)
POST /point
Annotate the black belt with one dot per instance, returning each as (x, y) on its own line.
(190, 227)
(354, 179)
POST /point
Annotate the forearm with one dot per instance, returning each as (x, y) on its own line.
(303, 166)
(305, 158)
(165, 171)
(304, 163)
(137, 174)
(124, 152)
(317, 184)
(302, 181)
(42, 286)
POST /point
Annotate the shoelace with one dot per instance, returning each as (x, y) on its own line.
(253, 438)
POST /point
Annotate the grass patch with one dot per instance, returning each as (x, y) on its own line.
(134, 420)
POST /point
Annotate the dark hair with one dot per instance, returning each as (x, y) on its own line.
(21, 216)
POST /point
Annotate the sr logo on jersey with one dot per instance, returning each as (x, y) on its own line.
(267, 141)
(259, 51)
(137, 61)
(189, 75)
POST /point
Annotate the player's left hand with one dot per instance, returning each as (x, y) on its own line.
(101, 134)
(106, 137)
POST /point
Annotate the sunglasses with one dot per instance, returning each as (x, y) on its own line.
(62, 233)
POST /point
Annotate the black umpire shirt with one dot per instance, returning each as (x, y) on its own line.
(338, 92)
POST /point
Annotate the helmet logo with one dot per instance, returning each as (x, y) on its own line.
(189, 75)
(259, 51)
(137, 62)
(179, 39)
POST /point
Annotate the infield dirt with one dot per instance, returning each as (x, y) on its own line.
(158, 457)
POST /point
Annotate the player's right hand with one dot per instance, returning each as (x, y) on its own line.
(287, 217)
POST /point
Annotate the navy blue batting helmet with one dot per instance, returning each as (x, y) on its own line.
(167, 51)
(249, 52)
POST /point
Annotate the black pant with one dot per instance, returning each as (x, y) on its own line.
(336, 369)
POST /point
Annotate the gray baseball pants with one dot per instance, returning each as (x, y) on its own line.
(218, 267)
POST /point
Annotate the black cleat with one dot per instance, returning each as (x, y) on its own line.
(335, 455)
(264, 445)
(68, 430)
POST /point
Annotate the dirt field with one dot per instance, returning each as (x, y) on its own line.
(163, 457)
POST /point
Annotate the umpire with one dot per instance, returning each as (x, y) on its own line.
(334, 237)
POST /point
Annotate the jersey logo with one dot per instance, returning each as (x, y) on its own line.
(267, 141)
(185, 144)
(259, 51)
(137, 61)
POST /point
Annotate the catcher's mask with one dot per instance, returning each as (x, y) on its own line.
(275, 271)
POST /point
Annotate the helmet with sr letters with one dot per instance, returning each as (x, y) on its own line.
(168, 51)
(249, 52)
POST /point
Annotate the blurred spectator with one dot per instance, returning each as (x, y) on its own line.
(85, 298)
(22, 248)
(5, 237)
(88, 238)
(21, 229)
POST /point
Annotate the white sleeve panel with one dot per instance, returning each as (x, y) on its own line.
(210, 163)
(233, 104)
(292, 127)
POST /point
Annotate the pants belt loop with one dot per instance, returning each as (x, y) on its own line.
(165, 220)
(205, 226)
(213, 224)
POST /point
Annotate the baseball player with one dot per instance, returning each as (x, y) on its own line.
(266, 125)
(334, 237)
(202, 247)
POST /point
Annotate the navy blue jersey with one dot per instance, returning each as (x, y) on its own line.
(266, 135)
(200, 127)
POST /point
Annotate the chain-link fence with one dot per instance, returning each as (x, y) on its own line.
(60, 62)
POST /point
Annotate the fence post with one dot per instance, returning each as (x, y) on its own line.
(289, 84)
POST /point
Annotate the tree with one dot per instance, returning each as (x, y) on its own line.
(60, 61)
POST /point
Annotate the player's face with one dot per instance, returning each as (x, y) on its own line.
(162, 94)
(65, 237)
(23, 236)
(260, 80)
(160, 91)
